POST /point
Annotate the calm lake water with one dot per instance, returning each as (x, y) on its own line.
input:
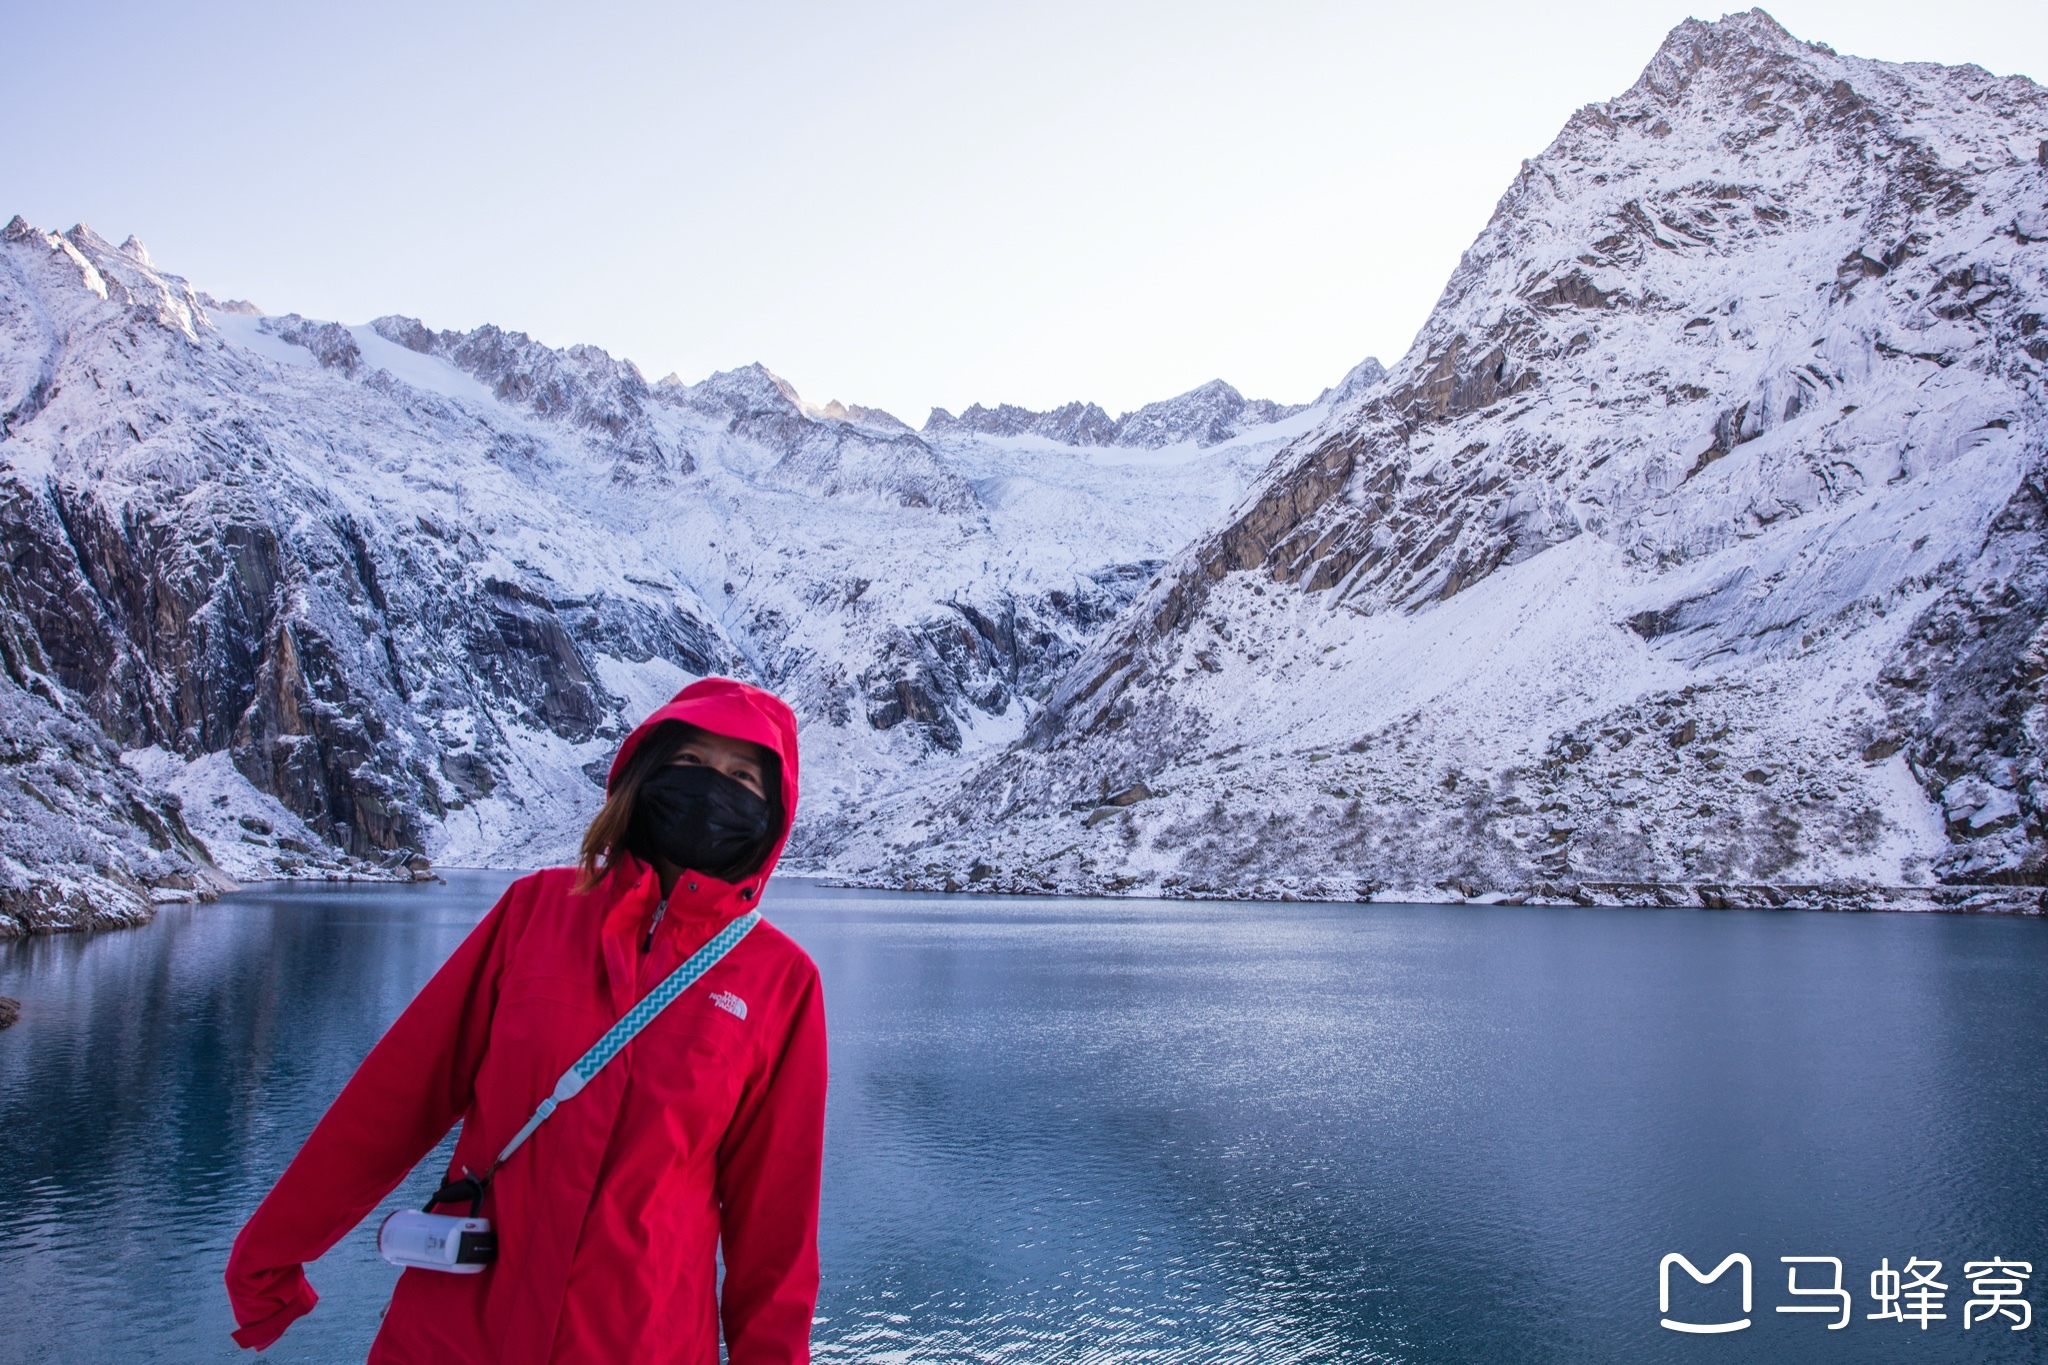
(1067, 1131)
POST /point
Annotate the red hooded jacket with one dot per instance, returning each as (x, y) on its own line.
(705, 1135)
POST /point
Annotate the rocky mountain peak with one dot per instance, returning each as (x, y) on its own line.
(332, 346)
(119, 275)
(84, 238)
(1207, 415)
(756, 389)
(241, 307)
(1356, 383)
(1734, 45)
(410, 333)
(836, 411)
(840, 449)
(750, 390)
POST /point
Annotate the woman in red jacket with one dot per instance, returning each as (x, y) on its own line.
(703, 1137)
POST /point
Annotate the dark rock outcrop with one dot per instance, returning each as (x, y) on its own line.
(84, 843)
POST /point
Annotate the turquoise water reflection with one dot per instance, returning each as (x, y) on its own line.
(1139, 1131)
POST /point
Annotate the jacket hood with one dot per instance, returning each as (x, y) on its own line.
(737, 711)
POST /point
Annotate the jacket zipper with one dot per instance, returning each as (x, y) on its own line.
(647, 943)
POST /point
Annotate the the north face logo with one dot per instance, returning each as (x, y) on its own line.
(730, 1003)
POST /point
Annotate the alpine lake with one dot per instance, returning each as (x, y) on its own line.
(1146, 1131)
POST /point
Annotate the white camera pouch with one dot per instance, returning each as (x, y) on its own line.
(437, 1241)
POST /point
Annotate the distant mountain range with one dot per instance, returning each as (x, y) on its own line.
(1207, 416)
(1693, 554)
(288, 597)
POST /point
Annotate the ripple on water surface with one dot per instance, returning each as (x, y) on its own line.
(1067, 1131)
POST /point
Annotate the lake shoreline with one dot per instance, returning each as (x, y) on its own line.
(85, 911)
(1848, 899)
(2016, 901)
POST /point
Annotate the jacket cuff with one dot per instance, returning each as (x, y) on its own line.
(299, 1301)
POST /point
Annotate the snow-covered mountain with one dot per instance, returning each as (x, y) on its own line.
(1693, 552)
(316, 599)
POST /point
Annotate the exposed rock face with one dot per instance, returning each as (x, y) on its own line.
(1964, 702)
(991, 659)
(84, 843)
(1697, 540)
(358, 594)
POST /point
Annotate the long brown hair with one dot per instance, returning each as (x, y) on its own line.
(606, 838)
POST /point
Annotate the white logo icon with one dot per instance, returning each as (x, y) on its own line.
(1664, 1291)
(730, 1003)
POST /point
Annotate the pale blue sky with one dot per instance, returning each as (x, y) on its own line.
(900, 204)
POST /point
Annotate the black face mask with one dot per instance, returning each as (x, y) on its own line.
(698, 818)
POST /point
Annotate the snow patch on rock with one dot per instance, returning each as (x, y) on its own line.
(249, 833)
